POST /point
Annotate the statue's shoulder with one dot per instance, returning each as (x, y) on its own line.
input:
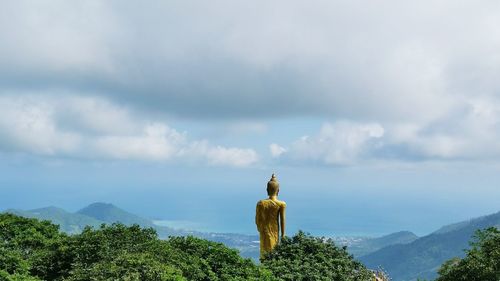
(261, 202)
(282, 203)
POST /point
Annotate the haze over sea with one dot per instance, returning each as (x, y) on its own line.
(376, 116)
(324, 202)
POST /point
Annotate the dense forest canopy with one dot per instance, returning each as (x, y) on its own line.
(37, 250)
(33, 250)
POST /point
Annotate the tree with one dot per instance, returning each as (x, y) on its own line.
(304, 257)
(5, 276)
(35, 250)
(481, 263)
(25, 244)
(127, 267)
(207, 260)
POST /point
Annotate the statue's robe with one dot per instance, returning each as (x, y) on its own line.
(267, 218)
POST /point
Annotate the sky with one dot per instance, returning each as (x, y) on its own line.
(376, 116)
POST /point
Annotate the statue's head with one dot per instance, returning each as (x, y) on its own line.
(273, 186)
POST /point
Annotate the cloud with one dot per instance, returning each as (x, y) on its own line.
(276, 150)
(27, 125)
(333, 59)
(468, 134)
(93, 128)
(427, 76)
(157, 142)
(231, 156)
(339, 143)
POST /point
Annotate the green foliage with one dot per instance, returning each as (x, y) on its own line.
(424, 256)
(5, 276)
(481, 263)
(304, 257)
(34, 250)
(26, 244)
(129, 267)
(206, 260)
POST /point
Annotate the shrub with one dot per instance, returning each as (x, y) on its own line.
(34, 250)
(127, 267)
(304, 257)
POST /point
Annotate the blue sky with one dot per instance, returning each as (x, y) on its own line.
(377, 117)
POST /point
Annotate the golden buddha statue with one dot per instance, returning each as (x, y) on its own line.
(270, 217)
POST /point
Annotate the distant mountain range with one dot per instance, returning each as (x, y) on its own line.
(362, 246)
(423, 257)
(93, 215)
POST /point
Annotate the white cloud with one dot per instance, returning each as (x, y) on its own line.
(339, 143)
(470, 133)
(219, 155)
(276, 150)
(157, 142)
(428, 76)
(27, 124)
(90, 127)
(93, 115)
(231, 156)
(346, 60)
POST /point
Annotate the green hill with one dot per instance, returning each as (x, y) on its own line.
(109, 213)
(423, 257)
(68, 222)
(94, 215)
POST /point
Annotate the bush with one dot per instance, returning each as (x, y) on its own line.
(129, 267)
(304, 257)
(34, 250)
(5, 276)
(207, 260)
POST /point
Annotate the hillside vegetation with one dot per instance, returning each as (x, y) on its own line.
(481, 262)
(37, 250)
(423, 257)
(304, 257)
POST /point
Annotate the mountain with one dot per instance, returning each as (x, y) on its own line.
(94, 215)
(68, 222)
(423, 257)
(368, 245)
(109, 213)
